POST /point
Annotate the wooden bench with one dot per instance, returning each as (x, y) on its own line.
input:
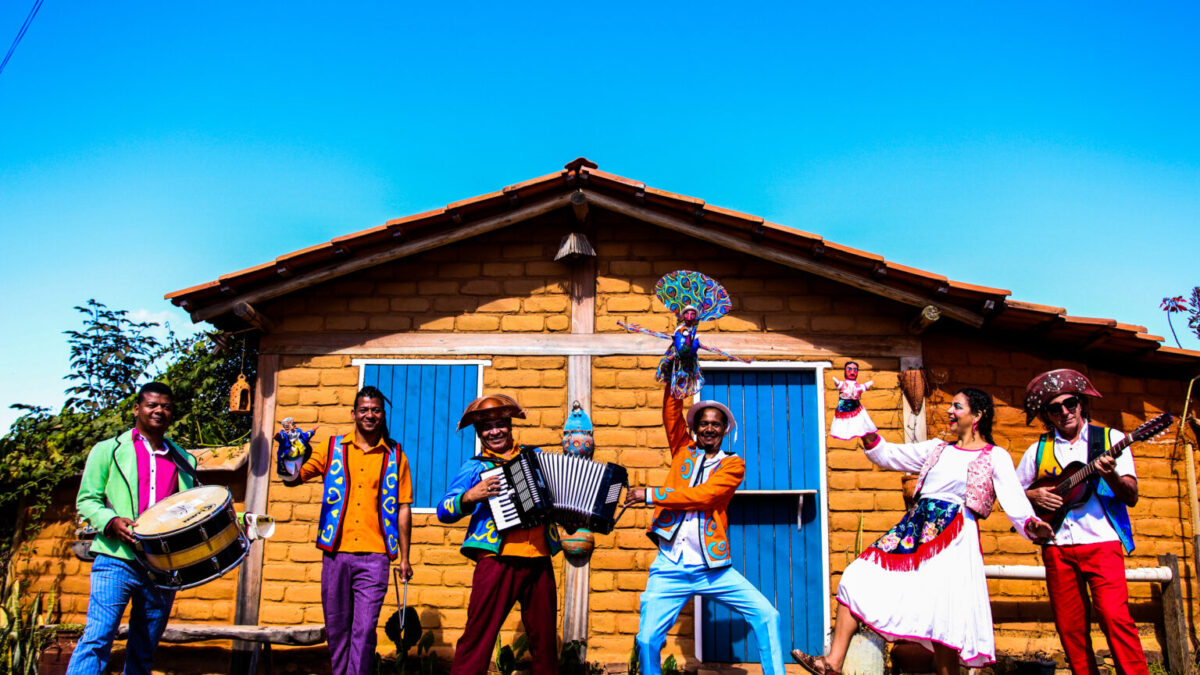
(300, 635)
(1170, 584)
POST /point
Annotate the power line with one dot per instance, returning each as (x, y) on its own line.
(37, 4)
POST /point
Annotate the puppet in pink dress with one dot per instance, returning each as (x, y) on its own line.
(851, 420)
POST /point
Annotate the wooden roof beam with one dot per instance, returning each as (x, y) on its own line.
(252, 316)
(393, 252)
(861, 282)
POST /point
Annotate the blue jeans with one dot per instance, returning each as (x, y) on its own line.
(114, 583)
(669, 588)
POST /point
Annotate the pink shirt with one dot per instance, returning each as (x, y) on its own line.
(155, 469)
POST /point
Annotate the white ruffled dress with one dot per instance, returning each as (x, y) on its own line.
(945, 599)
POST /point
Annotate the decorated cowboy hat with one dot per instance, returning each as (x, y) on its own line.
(694, 412)
(1043, 388)
(490, 407)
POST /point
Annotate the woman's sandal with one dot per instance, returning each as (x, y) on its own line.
(813, 664)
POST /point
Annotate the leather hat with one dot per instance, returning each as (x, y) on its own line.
(1043, 388)
(490, 407)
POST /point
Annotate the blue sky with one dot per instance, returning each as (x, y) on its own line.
(1051, 149)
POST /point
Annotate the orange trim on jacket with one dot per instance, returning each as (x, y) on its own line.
(711, 498)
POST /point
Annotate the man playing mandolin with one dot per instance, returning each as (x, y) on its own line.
(1087, 546)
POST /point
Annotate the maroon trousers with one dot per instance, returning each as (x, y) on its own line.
(1070, 571)
(499, 582)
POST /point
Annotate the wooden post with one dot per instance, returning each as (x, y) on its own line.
(258, 479)
(1174, 622)
(577, 569)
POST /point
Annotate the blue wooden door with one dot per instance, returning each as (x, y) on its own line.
(426, 402)
(779, 438)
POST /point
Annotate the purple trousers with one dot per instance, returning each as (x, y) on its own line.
(353, 586)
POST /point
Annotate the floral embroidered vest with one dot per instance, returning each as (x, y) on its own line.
(981, 494)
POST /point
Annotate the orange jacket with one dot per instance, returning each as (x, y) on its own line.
(710, 498)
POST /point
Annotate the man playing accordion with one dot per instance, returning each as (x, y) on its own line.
(511, 566)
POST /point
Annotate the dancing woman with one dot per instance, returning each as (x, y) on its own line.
(923, 580)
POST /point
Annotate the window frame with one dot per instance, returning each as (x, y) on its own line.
(361, 364)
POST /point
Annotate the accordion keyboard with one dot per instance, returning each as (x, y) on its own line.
(504, 509)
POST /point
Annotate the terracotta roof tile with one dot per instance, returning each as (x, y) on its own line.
(349, 238)
(897, 267)
(300, 254)
(416, 217)
(987, 290)
(673, 197)
(193, 289)
(539, 181)
(791, 231)
(1091, 321)
(1131, 327)
(471, 201)
(730, 213)
(853, 252)
(1175, 351)
(616, 179)
(1034, 307)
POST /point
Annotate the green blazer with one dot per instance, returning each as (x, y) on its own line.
(109, 488)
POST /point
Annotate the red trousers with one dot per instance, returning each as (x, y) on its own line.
(1070, 572)
(500, 582)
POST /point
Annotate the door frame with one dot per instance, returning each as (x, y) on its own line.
(818, 368)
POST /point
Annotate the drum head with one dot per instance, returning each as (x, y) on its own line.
(181, 510)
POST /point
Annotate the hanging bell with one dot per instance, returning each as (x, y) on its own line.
(239, 396)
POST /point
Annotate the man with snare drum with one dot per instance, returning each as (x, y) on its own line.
(366, 522)
(123, 477)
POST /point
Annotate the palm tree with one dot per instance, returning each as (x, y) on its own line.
(1170, 306)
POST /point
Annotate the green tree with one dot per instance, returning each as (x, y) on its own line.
(111, 356)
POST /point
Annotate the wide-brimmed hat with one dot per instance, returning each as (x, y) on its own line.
(490, 407)
(1043, 388)
(696, 409)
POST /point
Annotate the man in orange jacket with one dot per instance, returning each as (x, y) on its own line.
(690, 527)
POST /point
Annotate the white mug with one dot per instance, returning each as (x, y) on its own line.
(259, 526)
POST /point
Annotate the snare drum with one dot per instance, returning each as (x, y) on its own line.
(190, 538)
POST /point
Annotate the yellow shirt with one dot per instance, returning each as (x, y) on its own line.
(361, 530)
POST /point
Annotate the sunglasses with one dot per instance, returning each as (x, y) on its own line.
(1063, 406)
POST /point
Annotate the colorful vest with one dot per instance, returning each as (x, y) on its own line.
(334, 498)
(981, 493)
(1099, 442)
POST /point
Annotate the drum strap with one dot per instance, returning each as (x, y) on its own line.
(183, 465)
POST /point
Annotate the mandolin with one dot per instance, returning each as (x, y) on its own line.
(1072, 483)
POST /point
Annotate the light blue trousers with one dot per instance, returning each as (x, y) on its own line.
(115, 583)
(669, 588)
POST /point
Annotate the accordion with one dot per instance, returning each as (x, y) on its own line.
(541, 487)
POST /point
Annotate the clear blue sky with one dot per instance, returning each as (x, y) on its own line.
(1051, 148)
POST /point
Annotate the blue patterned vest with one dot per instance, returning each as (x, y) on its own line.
(334, 498)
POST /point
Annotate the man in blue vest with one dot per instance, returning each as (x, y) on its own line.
(365, 524)
(1086, 551)
(511, 566)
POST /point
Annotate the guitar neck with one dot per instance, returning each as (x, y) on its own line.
(1114, 452)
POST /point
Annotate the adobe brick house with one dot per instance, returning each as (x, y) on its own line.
(437, 307)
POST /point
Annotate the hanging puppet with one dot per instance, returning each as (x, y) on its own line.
(851, 420)
(692, 297)
(291, 448)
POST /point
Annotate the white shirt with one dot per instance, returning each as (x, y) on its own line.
(1084, 524)
(685, 546)
(947, 480)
